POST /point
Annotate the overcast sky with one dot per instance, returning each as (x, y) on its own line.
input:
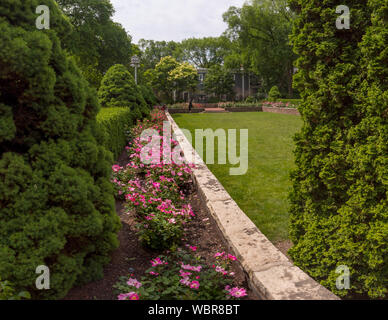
(172, 19)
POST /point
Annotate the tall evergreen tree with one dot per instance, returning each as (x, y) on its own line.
(339, 197)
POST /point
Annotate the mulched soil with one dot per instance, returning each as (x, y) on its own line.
(132, 257)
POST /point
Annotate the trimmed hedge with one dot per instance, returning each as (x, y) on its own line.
(118, 89)
(56, 201)
(339, 200)
(114, 123)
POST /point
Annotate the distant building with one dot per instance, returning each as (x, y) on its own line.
(245, 86)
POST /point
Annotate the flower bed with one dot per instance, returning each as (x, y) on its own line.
(185, 105)
(183, 275)
(238, 104)
(158, 196)
(279, 104)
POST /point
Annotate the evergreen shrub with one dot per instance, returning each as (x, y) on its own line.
(56, 201)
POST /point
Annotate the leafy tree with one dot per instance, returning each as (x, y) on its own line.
(170, 75)
(260, 31)
(154, 51)
(339, 197)
(56, 200)
(159, 78)
(184, 77)
(118, 89)
(205, 52)
(96, 41)
(219, 81)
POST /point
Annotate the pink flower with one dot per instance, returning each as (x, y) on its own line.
(156, 185)
(219, 254)
(237, 292)
(116, 168)
(128, 296)
(221, 270)
(230, 257)
(185, 281)
(191, 268)
(172, 221)
(184, 274)
(154, 273)
(157, 262)
(134, 283)
(194, 285)
(193, 248)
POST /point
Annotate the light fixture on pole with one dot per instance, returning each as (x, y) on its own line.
(243, 82)
(135, 62)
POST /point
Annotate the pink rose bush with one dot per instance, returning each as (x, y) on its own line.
(183, 275)
(156, 192)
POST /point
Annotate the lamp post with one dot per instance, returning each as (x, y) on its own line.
(135, 62)
(243, 82)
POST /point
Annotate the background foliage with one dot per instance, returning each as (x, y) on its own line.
(219, 81)
(260, 30)
(95, 40)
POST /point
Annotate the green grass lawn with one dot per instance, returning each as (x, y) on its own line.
(262, 192)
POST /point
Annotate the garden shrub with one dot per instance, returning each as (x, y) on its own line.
(118, 89)
(114, 123)
(7, 292)
(250, 99)
(149, 95)
(339, 197)
(56, 201)
(261, 93)
(274, 94)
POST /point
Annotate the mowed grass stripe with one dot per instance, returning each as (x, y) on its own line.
(262, 192)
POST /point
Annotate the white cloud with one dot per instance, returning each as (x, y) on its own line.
(172, 19)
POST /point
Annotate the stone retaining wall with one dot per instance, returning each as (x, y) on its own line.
(270, 274)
